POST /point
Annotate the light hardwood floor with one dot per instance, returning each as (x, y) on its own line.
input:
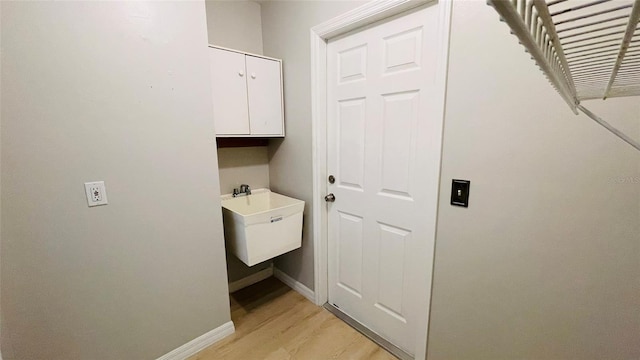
(274, 322)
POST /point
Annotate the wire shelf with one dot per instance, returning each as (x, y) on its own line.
(587, 49)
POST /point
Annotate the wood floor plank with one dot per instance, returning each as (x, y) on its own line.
(274, 322)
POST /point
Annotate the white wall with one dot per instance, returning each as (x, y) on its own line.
(285, 30)
(544, 263)
(243, 165)
(235, 24)
(113, 91)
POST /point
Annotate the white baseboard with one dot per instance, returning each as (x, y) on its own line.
(199, 343)
(250, 280)
(295, 285)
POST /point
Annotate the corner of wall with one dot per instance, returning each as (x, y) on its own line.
(0, 192)
(235, 24)
(238, 25)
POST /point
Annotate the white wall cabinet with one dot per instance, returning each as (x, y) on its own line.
(247, 94)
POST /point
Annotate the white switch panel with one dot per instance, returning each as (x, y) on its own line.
(96, 193)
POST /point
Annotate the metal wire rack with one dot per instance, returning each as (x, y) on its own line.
(588, 49)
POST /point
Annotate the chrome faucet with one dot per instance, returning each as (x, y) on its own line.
(244, 189)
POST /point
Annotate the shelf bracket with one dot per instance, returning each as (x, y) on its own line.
(608, 126)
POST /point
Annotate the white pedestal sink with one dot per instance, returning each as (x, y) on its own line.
(262, 225)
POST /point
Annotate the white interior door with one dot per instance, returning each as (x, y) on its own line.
(384, 125)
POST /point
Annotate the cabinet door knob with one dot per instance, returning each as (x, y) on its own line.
(253, 75)
(241, 73)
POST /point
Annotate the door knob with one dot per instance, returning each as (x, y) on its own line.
(253, 75)
(241, 73)
(330, 198)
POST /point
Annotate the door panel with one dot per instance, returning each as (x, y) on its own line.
(350, 253)
(230, 108)
(351, 126)
(402, 51)
(383, 131)
(392, 244)
(399, 120)
(352, 64)
(265, 100)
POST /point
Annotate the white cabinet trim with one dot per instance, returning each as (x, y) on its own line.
(243, 52)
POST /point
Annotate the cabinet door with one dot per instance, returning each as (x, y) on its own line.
(228, 78)
(265, 96)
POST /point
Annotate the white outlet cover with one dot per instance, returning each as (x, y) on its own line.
(96, 193)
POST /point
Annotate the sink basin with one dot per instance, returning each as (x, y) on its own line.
(262, 225)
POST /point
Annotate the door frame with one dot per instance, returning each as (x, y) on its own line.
(320, 35)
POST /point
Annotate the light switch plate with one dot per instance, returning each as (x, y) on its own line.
(96, 193)
(460, 192)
